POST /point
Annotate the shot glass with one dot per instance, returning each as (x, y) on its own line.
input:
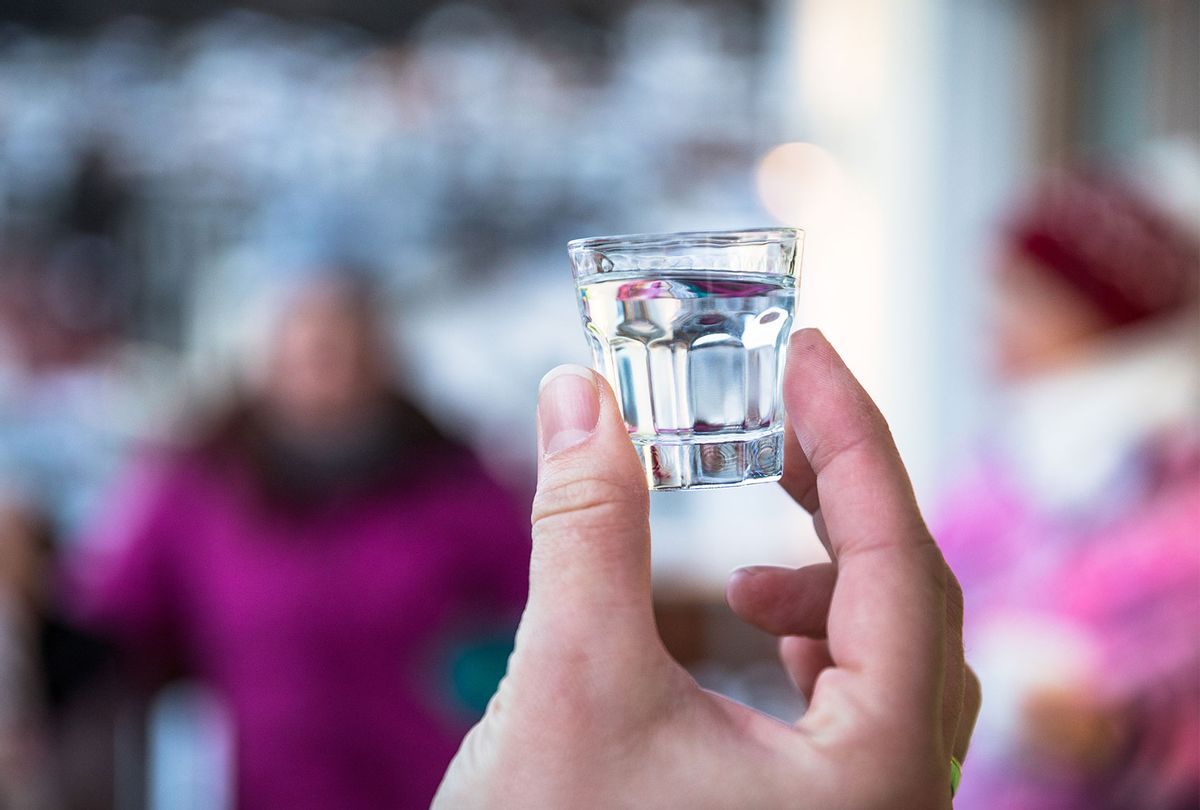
(690, 330)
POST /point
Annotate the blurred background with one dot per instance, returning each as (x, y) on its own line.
(244, 247)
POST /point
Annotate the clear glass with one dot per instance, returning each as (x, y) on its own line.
(690, 329)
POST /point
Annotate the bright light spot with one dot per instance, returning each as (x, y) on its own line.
(800, 184)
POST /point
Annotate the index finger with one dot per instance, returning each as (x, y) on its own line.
(886, 622)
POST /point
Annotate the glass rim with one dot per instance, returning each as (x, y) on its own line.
(714, 239)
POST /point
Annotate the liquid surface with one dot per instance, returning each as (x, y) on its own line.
(694, 356)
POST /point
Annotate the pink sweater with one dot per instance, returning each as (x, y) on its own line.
(1124, 575)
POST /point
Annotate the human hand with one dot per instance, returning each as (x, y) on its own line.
(593, 712)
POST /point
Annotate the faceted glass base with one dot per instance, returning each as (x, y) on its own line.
(700, 464)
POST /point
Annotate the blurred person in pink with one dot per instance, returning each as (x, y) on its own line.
(318, 555)
(1077, 535)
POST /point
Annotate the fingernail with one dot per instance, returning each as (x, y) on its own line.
(755, 570)
(568, 407)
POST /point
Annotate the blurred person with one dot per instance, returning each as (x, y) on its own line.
(56, 703)
(74, 390)
(1077, 534)
(67, 293)
(322, 557)
(64, 378)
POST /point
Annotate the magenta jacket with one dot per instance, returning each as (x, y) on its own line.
(327, 630)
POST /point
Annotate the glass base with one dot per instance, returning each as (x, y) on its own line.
(708, 464)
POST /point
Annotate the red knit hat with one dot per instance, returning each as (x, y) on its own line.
(1110, 244)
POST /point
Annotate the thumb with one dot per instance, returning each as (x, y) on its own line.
(590, 567)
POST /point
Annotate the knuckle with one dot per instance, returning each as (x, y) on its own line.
(953, 586)
(949, 586)
(593, 502)
(972, 693)
(954, 596)
(934, 564)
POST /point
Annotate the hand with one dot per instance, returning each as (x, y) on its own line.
(593, 712)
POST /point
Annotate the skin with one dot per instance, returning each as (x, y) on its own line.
(325, 364)
(1040, 322)
(593, 712)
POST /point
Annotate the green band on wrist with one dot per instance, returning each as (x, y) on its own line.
(955, 776)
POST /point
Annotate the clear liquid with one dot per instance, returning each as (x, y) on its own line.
(695, 358)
